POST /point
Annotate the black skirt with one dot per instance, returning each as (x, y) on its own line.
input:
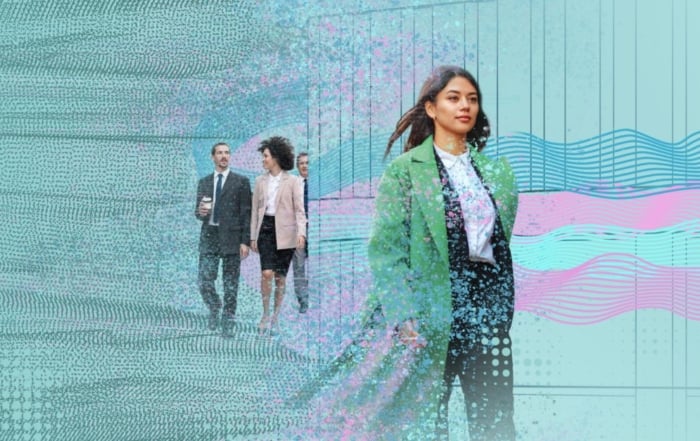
(270, 257)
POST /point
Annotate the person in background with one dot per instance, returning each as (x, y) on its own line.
(277, 225)
(301, 282)
(223, 206)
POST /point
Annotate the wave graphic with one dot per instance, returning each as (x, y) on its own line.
(620, 164)
(599, 289)
(540, 213)
(571, 245)
(570, 272)
(605, 287)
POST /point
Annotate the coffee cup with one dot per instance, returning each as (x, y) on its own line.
(206, 202)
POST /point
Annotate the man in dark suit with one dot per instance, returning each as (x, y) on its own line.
(301, 282)
(223, 206)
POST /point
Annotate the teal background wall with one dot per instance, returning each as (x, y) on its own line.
(107, 114)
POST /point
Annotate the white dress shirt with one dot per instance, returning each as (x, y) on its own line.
(477, 207)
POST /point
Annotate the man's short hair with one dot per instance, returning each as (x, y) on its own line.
(213, 149)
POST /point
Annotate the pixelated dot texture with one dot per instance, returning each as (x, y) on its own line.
(99, 106)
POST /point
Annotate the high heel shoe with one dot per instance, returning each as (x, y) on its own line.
(264, 326)
(274, 327)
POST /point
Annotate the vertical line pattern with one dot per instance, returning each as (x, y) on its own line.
(498, 71)
(478, 36)
(685, 132)
(636, 268)
(566, 123)
(432, 38)
(673, 263)
(353, 56)
(531, 105)
(340, 112)
(400, 72)
(544, 96)
(370, 93)
(600, 90)
(318, 97)
(413, 50)
(464, 35)
(319, 219)
(614, 127)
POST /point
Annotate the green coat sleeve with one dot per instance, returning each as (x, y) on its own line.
(389, 245)
(507, 197)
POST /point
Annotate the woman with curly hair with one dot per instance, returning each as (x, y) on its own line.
(278, 224)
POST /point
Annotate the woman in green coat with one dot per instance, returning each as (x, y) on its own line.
(442, 300)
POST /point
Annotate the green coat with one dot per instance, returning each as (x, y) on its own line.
(408, 257)
(378, 388)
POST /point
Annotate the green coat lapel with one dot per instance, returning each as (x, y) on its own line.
(427, 193)
(500, 182)
(427, 190)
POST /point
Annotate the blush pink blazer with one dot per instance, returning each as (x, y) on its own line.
(290, 220)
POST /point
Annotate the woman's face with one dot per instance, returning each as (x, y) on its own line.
(455, 108)
(269, 162)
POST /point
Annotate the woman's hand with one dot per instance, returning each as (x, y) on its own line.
(301, 241)
(254, 245)
(408, 334)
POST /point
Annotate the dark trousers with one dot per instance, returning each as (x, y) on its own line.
(301, 283)
(208, 272)
(485, 373)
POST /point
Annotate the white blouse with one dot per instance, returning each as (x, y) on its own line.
(273, 184)
(477, 207)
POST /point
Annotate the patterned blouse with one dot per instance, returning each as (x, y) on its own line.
(477, 207)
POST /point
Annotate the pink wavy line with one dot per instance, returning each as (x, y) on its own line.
(540, 213)
(607, 286)
(597, 290)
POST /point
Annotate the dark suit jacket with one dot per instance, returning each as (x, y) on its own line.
(234, 215)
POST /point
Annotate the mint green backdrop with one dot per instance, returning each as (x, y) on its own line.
(107, 114)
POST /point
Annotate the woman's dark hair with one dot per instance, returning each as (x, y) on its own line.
(423, 126)
(281, 149)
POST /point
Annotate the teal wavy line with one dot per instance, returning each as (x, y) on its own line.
(621, 164)
(563, 248)
(574, 245)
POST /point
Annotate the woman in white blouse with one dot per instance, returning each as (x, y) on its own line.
(278, 224)
(442, 298)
